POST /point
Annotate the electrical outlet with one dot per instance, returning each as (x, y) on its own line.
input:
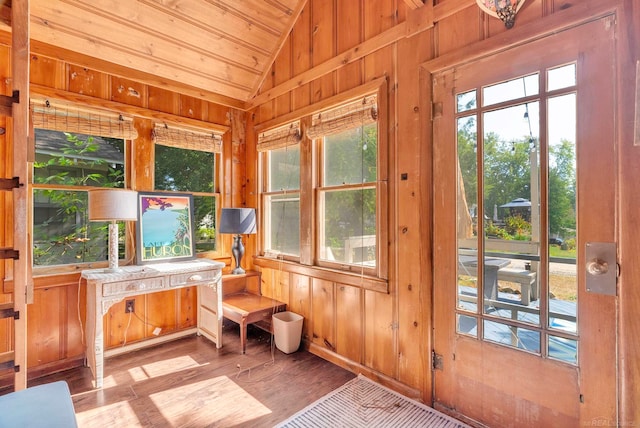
(129, 306)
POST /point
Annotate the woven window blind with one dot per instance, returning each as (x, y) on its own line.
(347, 116)
(59, 116)
(280, 137)
(204, 140)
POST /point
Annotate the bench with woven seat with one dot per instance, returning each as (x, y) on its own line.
(243, 303)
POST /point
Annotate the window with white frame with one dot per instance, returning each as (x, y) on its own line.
(347, 190)
(327, 188)
(281, 192)
(185, 161)
(76, 150)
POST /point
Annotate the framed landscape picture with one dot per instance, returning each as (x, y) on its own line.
(165, 227)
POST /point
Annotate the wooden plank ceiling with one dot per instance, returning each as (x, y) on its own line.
(223, 47)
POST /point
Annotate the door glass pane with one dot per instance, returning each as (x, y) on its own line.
(500, 194)
(511, 181)
(510, 90)
(563, 349)
(466, 101)
(467, 213)
(563, 282)
(561, 77)
(468, 325)
(518, 337)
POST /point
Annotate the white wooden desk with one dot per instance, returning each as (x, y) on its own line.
(106, 288)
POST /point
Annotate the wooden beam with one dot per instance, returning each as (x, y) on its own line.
(23, 287)
(425, 17)
(420, 20)
(414, 4)
(113, 106)
(450, 7)
(341, 98)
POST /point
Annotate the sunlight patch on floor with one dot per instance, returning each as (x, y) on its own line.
(152, 370)
(225, 402)
(108, 415)
(165, 367)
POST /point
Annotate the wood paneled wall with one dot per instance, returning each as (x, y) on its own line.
(55, 332)
(388, 335)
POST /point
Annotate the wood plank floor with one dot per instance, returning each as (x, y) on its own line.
(190, 383)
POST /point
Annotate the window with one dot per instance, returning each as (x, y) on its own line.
(185, 161)
(281, 195)
(514, 182)
(329, 188)
(75, 151)
(346, 204)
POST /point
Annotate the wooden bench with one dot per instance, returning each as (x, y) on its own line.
(526, 279)
(243, 303)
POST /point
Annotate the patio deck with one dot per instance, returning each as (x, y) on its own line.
(562, 317)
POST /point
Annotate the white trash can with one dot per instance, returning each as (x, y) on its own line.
(287, 330)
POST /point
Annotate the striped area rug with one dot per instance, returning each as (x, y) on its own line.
(364, 403)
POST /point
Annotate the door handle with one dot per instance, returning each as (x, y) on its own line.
(601, 267)
(597, 267)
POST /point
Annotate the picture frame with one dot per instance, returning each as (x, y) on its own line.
(165, 230)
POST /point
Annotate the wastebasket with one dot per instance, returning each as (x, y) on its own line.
(287, 330)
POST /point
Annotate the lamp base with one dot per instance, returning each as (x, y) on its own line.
(238, 271)
(237, 249)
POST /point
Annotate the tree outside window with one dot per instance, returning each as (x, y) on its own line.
(66, 166)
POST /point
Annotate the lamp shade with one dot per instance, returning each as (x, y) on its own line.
(113, 204)
(240, 221)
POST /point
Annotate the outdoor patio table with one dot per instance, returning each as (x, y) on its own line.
(491, 267)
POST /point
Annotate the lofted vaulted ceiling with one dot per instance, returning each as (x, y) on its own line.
(218, 49)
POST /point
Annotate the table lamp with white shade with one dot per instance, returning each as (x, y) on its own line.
(237, 221)
(113, 205)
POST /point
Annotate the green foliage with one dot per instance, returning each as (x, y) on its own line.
(493, 231)
(562, 188)
(185, 170)
(62, 233)
(350, 158)
(518, 226)
(507, 176)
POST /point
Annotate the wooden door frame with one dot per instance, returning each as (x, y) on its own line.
(560, 21)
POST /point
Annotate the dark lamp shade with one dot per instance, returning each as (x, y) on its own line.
(240, 221)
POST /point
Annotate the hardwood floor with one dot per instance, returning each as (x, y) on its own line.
(190, 383)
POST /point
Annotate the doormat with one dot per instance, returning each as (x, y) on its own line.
(364, 403)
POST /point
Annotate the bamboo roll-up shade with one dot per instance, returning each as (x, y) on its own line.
(278, 138)
(347, 116)
(203, 140)
(72, 118)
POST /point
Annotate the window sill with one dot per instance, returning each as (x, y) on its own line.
(348, 278)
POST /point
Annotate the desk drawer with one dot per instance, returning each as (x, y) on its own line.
(194, 278)
(128, 287)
